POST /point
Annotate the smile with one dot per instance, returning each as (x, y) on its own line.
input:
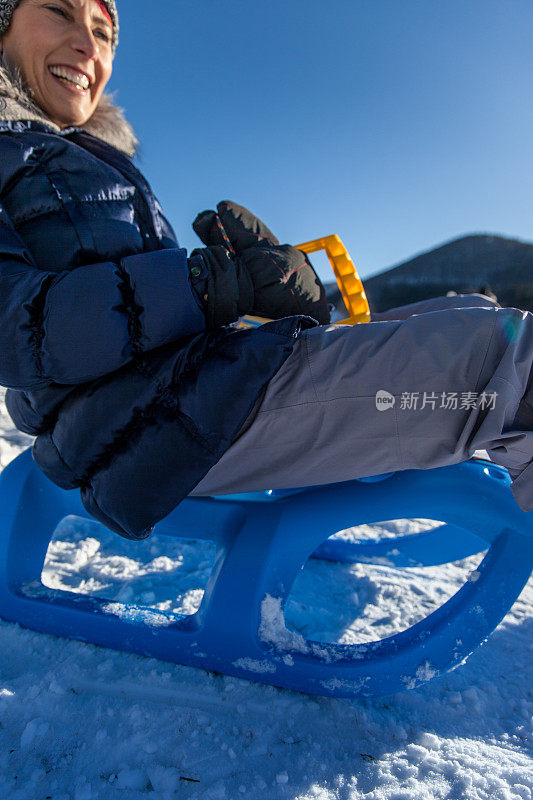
(71, 77)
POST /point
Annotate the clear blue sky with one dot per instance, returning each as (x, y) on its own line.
(398, 124)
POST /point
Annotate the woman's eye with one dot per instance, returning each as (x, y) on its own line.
(103, 36)
(58, 10)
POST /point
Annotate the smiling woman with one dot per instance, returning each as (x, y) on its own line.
(117, 348)
(97, 297)
(64, 53)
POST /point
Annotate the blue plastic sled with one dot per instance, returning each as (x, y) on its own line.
(263, 540)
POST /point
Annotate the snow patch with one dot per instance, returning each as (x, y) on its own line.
(35, 730)
(254, 665)
(429, 740)
(272, 629)
(424, 673)
(137, 615)
(131, 779)
(334, 684)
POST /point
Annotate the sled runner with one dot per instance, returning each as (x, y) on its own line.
(262, 541)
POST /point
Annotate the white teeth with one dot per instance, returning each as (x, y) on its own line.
(76, 78)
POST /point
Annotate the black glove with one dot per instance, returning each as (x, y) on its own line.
(284, 281)
(222, 284)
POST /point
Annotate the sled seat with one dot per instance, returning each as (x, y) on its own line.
(263, 540)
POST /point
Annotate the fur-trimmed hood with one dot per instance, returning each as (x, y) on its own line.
(107, 123)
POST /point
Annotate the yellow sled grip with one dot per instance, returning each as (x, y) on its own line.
(350, 284)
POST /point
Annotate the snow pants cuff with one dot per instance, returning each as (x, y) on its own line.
(522, 488)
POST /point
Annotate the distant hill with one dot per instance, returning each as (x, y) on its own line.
(462, 265)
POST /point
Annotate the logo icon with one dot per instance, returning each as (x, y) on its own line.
(384, 400)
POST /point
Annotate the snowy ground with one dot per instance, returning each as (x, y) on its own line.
(79, 722)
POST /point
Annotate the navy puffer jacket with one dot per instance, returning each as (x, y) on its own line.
(102, 341)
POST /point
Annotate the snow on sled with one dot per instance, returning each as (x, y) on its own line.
(262, 541)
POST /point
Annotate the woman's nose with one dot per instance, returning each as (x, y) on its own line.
(84, 41)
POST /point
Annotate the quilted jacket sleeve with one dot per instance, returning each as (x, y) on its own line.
(73, 326)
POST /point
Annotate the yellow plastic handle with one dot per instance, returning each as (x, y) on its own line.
(350, 284)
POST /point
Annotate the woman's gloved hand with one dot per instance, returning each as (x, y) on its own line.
(222, 284)
(283, 279)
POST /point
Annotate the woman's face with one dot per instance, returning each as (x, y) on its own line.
(63, 50)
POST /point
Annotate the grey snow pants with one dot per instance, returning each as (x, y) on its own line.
(423, 386)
